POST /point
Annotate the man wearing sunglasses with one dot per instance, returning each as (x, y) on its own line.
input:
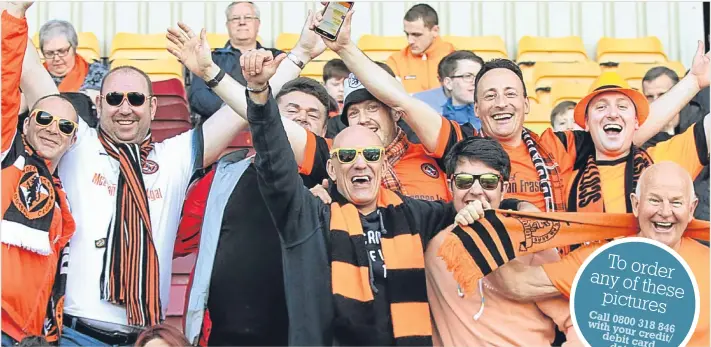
(36, 220)
(478, 170)
(127, 228)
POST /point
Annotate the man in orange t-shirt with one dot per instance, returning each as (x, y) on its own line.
(664, 209)
(416, 64)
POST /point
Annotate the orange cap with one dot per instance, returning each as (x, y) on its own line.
(607, 82)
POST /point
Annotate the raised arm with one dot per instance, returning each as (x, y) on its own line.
(662, 110)
(14, 41)
(194, 52)
(424, 121)
(36, 81)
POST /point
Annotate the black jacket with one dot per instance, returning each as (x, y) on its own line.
(303, 224)
(202, 99)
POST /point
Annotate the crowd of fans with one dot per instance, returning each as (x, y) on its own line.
(368, 212)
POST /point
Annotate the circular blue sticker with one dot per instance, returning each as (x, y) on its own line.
(635, 292)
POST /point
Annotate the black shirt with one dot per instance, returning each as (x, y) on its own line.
(372, 230)
(246, 300)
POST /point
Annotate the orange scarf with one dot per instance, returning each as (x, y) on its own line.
(74, 79)
(474, 251)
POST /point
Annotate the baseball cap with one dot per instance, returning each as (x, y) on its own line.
(353, 93)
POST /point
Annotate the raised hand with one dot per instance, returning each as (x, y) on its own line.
(310, 44)
(701, 66)
(344, 35)
(16, 8)
(191, 50)
(258, 66)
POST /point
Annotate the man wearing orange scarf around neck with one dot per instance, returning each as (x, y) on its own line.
(36, 221)
(664, 209)
(613, 114)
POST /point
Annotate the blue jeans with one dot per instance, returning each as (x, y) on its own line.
(7, 341)
(71, 337)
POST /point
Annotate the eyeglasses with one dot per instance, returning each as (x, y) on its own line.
(246, 18)
(135, 99)
(59, 53)
(467, 77)
(488, 181)
(348, 155)
(44, 118)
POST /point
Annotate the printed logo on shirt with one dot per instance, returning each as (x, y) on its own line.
(100, 180)
(149, 167)
(375, 252)
(536, 231)
(430, 170)
(34, 197)
(410, 77)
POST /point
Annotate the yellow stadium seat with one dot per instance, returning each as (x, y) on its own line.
(314, 70)
(567, 91)
(286, 41)
(157, 70)
(140, 46)
(88, 46)
(546, 73)
(538, 113)
(380, 48)
(555, 49)
(217, 40)
(640, 50)
(487, 47)
(634, 73)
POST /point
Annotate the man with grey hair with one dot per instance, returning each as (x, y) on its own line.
(242, 21)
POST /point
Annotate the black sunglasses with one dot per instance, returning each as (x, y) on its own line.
(488, 181)
(136, 99)
(348, 155)
(44, 118)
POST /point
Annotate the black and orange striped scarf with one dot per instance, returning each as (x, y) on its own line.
(130, 274)
(586, 192)
(393, 153)
(472, 252)
(354, 321)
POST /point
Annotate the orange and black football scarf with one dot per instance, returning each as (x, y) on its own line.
(474, 251)
(393, 154)
(130, 274)
(550, 185)
(354, 321)
(586, 192)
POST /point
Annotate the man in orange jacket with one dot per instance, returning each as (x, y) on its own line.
(36, 221)
(416, 64)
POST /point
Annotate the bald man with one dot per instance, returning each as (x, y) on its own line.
(354, 269)
(664, 209)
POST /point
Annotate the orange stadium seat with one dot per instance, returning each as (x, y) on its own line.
(88, 46)
(553, 49)
(314, 70)
(545, 73)
(639, 50)
(182, 267)
(140, 46)
(633, 73)
(243, 140)
(567, 91)
(487, 47)
(157, 70)
(380, 48)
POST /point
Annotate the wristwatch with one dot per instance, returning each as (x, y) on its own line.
(257, 91)
(215, 81)
(294, 59)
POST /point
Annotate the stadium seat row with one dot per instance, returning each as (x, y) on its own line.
(530, 49)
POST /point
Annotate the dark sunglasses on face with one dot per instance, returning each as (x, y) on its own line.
(487, 181)
(44, 118)
(349, 155)
(135, 99)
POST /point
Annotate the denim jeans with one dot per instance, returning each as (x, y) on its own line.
(71, 337)
(7, 341)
